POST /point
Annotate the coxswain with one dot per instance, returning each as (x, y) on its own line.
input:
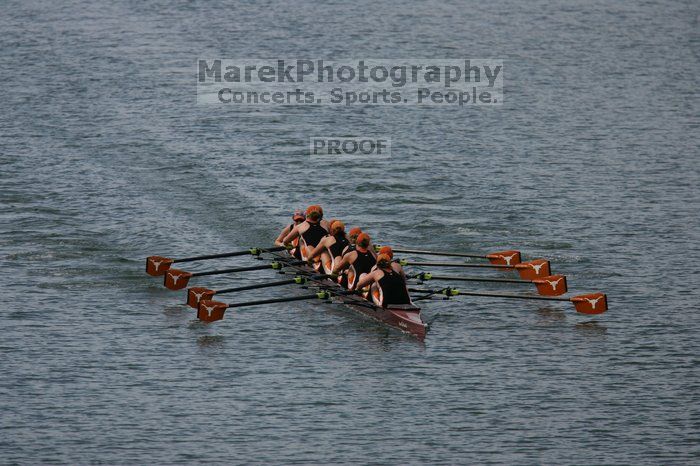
(358, 261)
(310, 232)
(387, 286)
(331, 247)
(297, 218)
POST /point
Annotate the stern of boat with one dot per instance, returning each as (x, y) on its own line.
(408, 319)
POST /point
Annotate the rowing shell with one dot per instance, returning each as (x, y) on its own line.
(404, 317)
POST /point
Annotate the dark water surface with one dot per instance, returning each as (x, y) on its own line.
(106, 158)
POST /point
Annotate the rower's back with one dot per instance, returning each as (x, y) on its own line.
(364, 262)
(313, 234)
(361, 260)
(341, 242)
(393, 288)
(313, 230)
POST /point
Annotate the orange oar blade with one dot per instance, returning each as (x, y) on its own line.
(157, 265)
(532, 270)
(176, 279)
(211, 311)
(197, 294)
(594, 303)
(504, 257)
(554, 285)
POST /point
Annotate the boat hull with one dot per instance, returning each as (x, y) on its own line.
(406, 319)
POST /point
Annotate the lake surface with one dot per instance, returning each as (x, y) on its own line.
(592, 161)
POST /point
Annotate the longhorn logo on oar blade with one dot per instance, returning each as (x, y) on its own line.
(157, 265)
(538, 268)
(210, 311)
(176, 279)
(508, 258)
(504, 257)
(553, 285)
(197, 294)
(595, 303)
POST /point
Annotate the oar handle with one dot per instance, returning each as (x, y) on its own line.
(254, 251)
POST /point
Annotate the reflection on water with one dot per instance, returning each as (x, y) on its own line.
(591, 327)
(211, 341)
(197, 324)
(176, 310)
(551, 314)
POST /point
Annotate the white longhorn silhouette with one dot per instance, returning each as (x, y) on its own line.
(209, 310)
(198, 295)
(507, 258)
(537, 267)
(594, 302)
(174, 278)
(554, 283)
(156, 264)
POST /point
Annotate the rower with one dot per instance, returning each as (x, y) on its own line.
(352, 237)
(331, 247)
(310, 232)
(358, 261)
(386, 250)
(388, 287)
(297, 218)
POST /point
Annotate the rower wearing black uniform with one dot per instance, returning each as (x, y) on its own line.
(297, 218)
(358, 262)
(331, 247)
(352, 238)
(310, 232)
(394, 265)
(388, 286)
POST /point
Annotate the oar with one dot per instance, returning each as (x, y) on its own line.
(530, 270)
(593, 303)
(176, 279)
(553, 285)
(158, 265)
(199, 293)
(510, 257)
(210, 311)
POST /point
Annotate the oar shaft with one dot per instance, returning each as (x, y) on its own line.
(493, 295)
(478, 279)
(453, 264)
(513, 296)
(239, 269)
(232, 270)
(275, 300)
(225, 254)
(439, 253)
(256, 286)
